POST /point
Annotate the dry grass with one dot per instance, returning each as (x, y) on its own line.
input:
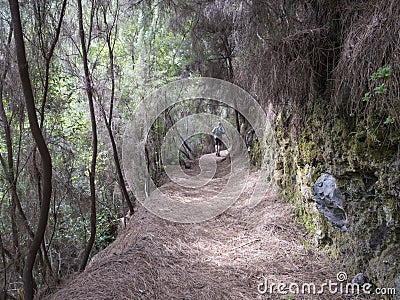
(370, 40)
(223, 258)
(288, 54)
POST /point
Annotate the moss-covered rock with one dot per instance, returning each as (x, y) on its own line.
(366, 165)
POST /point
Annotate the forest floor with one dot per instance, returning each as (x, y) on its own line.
(227, 257)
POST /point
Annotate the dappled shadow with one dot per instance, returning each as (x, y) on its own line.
(223, 258)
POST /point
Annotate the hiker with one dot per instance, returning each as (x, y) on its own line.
(250, 139)
(218, 131)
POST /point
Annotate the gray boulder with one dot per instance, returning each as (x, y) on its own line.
(329, 201)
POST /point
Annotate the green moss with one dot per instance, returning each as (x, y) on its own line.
(308, 150)
(255, 154)
(353, 153)
(385, 267)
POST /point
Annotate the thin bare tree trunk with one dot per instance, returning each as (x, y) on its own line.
(108, 122)
(231, 78)
(9, 166)
(121, 180)
(3, 257)
(42, 147)
(48, 57)
(92, 172)
(10, 174)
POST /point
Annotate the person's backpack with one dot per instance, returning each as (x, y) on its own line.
(218, 131)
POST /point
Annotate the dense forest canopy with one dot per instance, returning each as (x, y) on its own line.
(72, 73)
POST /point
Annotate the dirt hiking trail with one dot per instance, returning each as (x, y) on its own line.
(226, 257)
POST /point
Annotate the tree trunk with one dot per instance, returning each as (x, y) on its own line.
(41, 145)
(3, 257)
(121, 179)
(230, 72)
(108, 121)
(48, 56)
(92, 172)
(9, 166)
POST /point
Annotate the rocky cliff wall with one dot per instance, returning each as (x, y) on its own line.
(366, 171)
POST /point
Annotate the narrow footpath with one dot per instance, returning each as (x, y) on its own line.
(228, 257)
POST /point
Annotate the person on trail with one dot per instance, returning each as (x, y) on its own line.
(250, 139)
(218, 131)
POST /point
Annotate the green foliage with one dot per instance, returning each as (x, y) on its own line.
(162, 53)
(70, 226)
(380, 79)
(380, 89)
(107, 225)
(383, 72)
(147, 52)
(389, 120)
(367, 97)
